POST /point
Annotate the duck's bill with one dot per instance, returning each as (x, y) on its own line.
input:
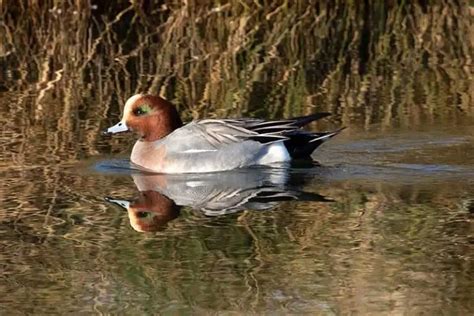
(123, 203)
(117, 128)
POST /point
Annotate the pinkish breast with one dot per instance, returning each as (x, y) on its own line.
(149, 155)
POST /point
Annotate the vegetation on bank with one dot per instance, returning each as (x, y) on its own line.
(67, 67)
(227, 57)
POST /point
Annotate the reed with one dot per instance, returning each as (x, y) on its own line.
(364, 61)
(67, 67)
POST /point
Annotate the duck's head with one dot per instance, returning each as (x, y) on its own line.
(151, 117)
(151, 211)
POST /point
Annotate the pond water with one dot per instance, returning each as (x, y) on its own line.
(384, 224)
(380, 223)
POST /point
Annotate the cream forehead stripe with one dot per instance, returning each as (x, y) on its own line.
(128, 106)
(122, 126)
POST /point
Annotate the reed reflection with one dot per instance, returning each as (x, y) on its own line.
(162, 196)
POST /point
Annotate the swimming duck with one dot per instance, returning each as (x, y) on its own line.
(166, 145)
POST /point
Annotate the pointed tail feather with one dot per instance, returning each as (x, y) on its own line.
(302, 145)
(301, 121)
(326, 136)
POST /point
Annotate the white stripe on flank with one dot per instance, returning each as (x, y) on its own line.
(193, 151)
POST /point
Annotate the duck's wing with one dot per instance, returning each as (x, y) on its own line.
(213, 133)
(209, 134)
(277, 126)
(220, 131)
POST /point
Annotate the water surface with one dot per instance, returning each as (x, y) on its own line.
(382, 225)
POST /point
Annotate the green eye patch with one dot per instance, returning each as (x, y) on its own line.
(141, 110)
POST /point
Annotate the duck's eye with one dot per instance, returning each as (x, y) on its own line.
(141, 110)
(142, 214)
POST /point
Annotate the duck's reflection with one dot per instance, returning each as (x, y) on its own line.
(162, 196)
(150, 211)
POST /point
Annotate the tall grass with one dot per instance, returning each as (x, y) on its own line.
(68, 66)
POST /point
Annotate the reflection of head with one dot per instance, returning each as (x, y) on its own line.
(151, 211)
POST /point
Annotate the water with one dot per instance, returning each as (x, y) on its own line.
(381, 225)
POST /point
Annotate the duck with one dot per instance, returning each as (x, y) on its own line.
(167, 145)
(161, 197)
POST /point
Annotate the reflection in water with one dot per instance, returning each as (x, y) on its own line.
(149, 212)
(162, 196)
